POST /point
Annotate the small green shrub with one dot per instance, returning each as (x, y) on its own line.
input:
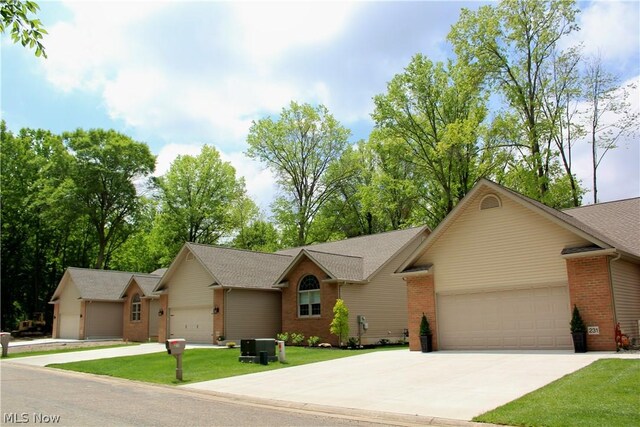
(296, 339)
(313, 340)
(231, 344)
(425, 329)
(384, 342)
(577, 324)
(352, 343)
(283, 337)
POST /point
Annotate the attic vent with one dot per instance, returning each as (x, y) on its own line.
(490, 201)
(190, 256)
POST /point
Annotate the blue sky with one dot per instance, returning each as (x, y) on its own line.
(178, 75)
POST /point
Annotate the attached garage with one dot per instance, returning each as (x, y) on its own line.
(195, 324)
(527, 319)
(503, 271)
(252, 314)
(69, 326)
(103, 320)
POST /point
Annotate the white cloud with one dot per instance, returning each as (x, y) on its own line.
(610, 29)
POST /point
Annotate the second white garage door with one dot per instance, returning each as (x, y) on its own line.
(515, 319)
(193, 324)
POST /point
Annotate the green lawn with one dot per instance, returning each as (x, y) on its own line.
(605, 393)
(201, 364)
(11, 355)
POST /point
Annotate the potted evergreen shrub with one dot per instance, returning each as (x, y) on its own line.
(426, 337)
(578, 331)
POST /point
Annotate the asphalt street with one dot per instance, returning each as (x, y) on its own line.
(36, 396)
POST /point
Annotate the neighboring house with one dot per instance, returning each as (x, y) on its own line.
(357, 270)
(503, 271)
(211, 291)
(88, 304)
(141, 307)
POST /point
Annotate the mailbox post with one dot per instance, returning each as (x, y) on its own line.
(175, 347)
(5, 337)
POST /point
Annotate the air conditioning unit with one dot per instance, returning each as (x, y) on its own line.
(250, 350)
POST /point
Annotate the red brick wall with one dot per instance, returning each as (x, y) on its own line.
(421, 299)
(590, 291)
(162, 321)
(218, 318)
(309, 326)
(56, 321)
(135, 330)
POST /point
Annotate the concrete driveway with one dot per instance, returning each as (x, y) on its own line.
(454, 385)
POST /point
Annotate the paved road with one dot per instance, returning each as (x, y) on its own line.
(38, 395)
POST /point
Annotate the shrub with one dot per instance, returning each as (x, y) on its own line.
(283, 337)
(352, 343)
(384, 342)
(312, 341)
(577, 324)
(231, 344)
(425, 329)
(296, 339)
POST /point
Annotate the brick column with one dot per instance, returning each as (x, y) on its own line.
(590, 291)
(55, 333)
(162, 321)
(421, 298)
(218, 318)
(83, 318)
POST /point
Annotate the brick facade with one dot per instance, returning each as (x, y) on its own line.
(309, 326)
(218, 318)
(135, 330)
(162, 321)
(421, 298)
(590, 290)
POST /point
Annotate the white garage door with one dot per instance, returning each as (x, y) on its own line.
(193, 324)
(69, 326)
(516, 319)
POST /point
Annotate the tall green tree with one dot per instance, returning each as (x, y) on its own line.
(513, 44)
(438, 110)
(105, 169)
(15, 17)
(199, 198)
(300, 148)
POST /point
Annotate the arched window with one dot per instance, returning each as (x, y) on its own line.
(136, 307)
(309, 296)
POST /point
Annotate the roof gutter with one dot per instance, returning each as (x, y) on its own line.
(586, 254)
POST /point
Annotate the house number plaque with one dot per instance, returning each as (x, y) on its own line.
(593, 330)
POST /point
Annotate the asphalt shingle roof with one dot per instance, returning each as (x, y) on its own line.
(99, 284)
(619, 221)
(374, 250)
(240, 268)
(147, 282)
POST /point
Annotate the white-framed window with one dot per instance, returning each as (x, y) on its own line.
(136, 307)
(309, 296)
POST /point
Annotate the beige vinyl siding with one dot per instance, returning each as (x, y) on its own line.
(252, 314)
(189, 284)
(154, 306)
(626, 293)
(383, 302)
(69, 311)
(499, 248)
(104, 319)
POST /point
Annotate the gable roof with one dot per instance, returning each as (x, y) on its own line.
(576, 220)
(357, 258)
(96, 285)
(234, 268)
(146, 283)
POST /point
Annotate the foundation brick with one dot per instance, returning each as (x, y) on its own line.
(421, 298)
